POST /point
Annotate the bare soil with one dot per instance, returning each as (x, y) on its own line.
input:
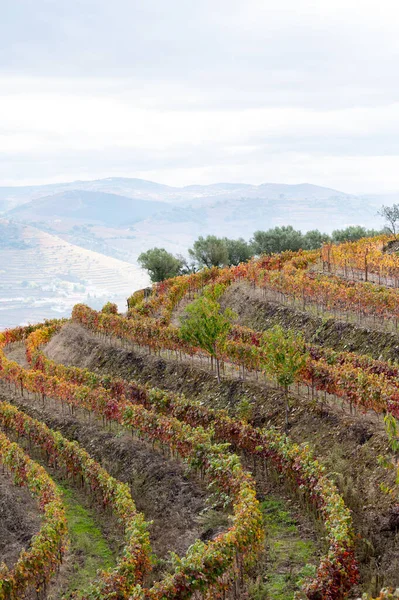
(347, 445)
(261, 314)
(16, 352)
(20, 519)
(160, 487)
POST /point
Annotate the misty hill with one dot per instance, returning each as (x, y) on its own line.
(103, 219)
(43, 276)
(10, 197)
(270, 191)
(237, 215)
(89, 207)
(61, 243)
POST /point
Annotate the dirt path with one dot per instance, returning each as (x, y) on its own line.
(20, 519)
(90, 548)
(160, 487)
(274, 570)
(347, 445)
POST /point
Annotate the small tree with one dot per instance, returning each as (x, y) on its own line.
(277, 239)
(160, 264)
(285, 357)
(238, 251)
(352, 234)
(205, 324)
(391, 216)
(314, 239)
(210, 252)
(391, 461)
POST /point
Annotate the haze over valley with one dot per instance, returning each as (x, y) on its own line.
(79, 241)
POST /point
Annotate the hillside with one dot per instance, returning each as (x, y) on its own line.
(121, 217)
(235, 217)
(11, 197)
(65, 210)
(43, 276)
(317, 518)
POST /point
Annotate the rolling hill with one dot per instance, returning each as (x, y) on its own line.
(121, 217)
(10, 197)
(56, 239)
(44, 276)
(79, 206)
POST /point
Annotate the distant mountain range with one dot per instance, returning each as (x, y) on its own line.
(123, 202)
(120, 217)
(10, 197)
(43, 276)
(81, 206)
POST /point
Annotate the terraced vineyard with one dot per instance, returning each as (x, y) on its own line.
(44, 276)
(164, 443)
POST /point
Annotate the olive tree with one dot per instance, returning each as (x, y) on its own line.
(160, 264)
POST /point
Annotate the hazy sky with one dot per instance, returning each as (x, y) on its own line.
(184, 91)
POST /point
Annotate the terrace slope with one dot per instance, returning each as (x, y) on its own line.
(45, 276)
(256, 312)
(347, 445)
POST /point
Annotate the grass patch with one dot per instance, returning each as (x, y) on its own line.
(288, 559)
(89, 548)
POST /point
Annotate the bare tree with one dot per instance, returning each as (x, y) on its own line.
(391, 216)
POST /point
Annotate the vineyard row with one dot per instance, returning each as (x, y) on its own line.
(207, 567)
(337, 571)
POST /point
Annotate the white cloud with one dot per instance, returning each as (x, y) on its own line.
(349, 173)
(72, 121)
(254, 90)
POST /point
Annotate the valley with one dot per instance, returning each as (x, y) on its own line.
(56, 238)
(266, 461)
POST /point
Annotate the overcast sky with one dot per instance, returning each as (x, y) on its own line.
(184, 91)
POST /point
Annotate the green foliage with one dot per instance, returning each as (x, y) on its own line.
(286, 354)
(238, 251)
(352, 234)
(160, 264)
(205, 324)
(214, 291)
(288, 556)
(216, 252)
(87, 541)
(244, 409)
(210, 252)
(314, 239)
(278, 239)
(389, 462)
(285, 357)
(391, 428)
(284, 238)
